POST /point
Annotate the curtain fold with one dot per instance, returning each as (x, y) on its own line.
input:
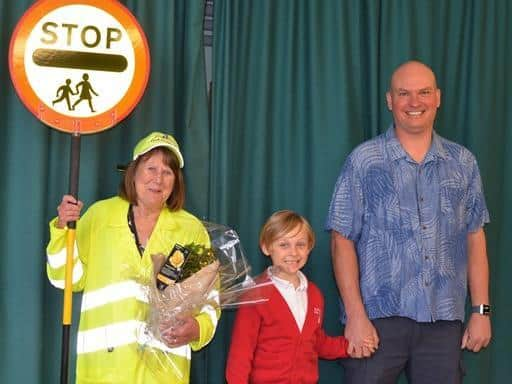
(298, 84)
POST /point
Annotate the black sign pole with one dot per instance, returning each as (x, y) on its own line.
(74, 169)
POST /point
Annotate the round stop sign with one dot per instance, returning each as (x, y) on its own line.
(79, 66)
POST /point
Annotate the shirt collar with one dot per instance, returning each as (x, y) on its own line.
(396, 151)
(303, 282)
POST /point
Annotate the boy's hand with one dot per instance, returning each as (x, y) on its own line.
(371, 345)
(369, 348)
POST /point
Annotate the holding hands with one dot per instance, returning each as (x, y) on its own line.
(362, 337)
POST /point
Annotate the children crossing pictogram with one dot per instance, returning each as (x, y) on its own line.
(63, 93)
(85, 92)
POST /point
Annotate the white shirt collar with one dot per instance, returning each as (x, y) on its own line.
(303, 282)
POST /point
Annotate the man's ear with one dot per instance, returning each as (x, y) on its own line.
(389, 101)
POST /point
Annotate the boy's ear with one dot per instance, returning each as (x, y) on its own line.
(264, 249)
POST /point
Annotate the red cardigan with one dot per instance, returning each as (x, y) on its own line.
(268, 347)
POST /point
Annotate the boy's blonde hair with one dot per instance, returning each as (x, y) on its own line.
(282, 223)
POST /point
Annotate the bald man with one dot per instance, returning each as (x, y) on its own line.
(407, 239)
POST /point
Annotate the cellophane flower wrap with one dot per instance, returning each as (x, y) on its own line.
(215, 278)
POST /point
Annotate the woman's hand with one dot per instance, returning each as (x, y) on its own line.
(68, 210)
(182, 331)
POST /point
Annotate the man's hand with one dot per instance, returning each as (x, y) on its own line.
(478, 333)
(362, 337)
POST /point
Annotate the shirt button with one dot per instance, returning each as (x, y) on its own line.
(427, 283)
(426, 257)
(421, 198)
(423, 227)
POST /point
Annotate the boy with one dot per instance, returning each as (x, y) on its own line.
(281, 340)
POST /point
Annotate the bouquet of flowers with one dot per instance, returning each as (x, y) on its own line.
(191, 278)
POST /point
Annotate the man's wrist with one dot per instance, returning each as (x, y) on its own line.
(482, 309)
(356, 312)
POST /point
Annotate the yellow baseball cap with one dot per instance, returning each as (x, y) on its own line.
(158, 139)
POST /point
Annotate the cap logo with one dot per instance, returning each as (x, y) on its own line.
(157, 139)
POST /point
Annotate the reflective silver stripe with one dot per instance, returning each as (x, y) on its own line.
(78, 272)
(209, 309)
(57, 260)
(113, 293)
(110, 336)
(119, 334)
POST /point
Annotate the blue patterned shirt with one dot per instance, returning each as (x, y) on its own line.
(409, 223)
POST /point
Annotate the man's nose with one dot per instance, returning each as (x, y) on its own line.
(413, 98)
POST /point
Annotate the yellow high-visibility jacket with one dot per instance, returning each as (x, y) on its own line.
(112, 274)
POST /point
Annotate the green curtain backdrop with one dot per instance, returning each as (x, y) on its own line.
(35, 159)
(298, 84)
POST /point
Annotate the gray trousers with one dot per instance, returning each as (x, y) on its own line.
(428, 353)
